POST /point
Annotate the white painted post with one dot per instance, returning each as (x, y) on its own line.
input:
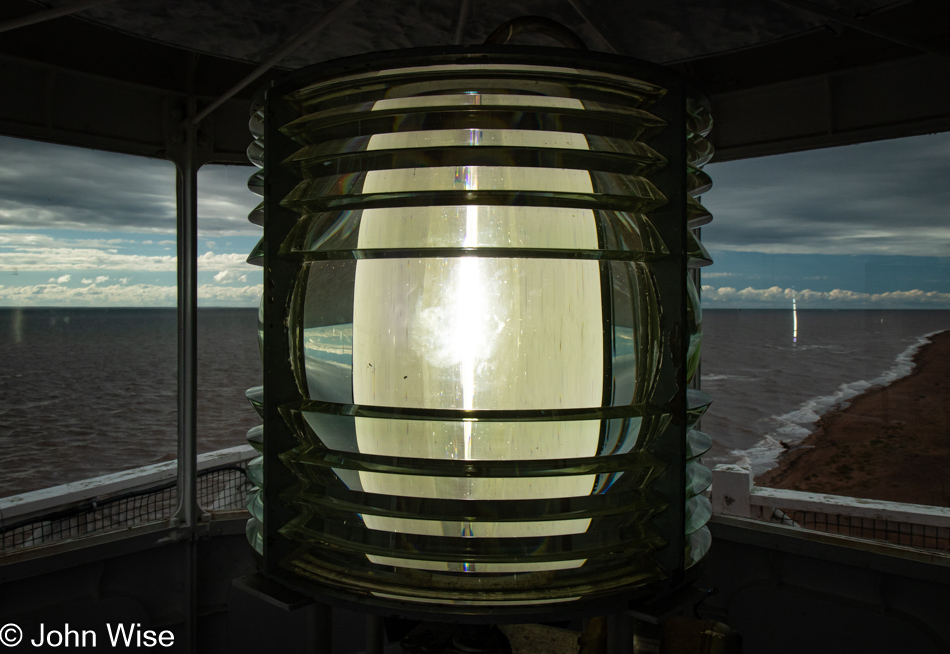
(731, 490)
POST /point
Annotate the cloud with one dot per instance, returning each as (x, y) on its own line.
(59, 258)
(75, 188)
(97, 280)
(46, 258)
(61, 279)
(126, 295)
(66, 187)
(886, 197)
(224, 200)
(837, 298)
(228, 261)
(19, 239)
(229, 276)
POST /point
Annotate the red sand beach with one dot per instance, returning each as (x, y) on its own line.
(890, 443)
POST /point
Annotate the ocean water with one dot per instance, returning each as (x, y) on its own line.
(768, 388)
(85, 392)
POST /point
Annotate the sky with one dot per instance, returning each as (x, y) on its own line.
(860, 226)
(87, 228)
(863, 226)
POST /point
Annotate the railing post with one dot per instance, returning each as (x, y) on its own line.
(732, 490)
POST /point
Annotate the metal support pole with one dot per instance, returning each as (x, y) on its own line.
(187, 513)
(49, 14)
(375, 635)
(464, 8)
(320, 627)
(619, 634)
(584, 13)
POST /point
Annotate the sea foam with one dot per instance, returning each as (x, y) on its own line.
(793, 427)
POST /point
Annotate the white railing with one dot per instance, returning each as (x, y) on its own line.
(734, 493)
(37, 505)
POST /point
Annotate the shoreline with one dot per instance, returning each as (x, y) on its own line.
(889, 443)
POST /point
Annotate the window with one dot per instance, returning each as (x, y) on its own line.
(88, 268)
(855, 239)
(88, 323)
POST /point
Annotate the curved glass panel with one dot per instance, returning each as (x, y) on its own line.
(698, 478)
(697, 545)
(254, 532)
(381, 232)
(697, 444)
(475, 333)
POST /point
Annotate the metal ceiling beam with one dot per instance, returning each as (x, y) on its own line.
(861, 26)
(277, 57)
(464, 8)
(584, 13)
(57, 105)
(906, 97)
(49, 14)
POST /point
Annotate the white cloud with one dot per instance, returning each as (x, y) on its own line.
(230, 276)
(97, 280)
(210, 244)
(19, 238)
(230, 261)
(48, 258)
(62, 279)
(837, 298)
(59, 258)
(131, 295)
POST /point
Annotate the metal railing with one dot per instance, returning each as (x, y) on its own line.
(106, 505)
(911, 525)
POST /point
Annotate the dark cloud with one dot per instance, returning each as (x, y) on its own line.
(52, 186)
(224, 201)
(888, 197)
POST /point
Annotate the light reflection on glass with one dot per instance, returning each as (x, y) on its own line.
(485, 178)
(485, 568)
(469, 334)
(497, 226)
(519, 602)
(484, 99)
(483, 137)
(476, 488)
(476, 529)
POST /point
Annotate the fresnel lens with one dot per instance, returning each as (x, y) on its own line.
(478, 329)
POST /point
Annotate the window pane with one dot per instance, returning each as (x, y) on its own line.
(229, 291)
(87, 325)
(855, 240)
